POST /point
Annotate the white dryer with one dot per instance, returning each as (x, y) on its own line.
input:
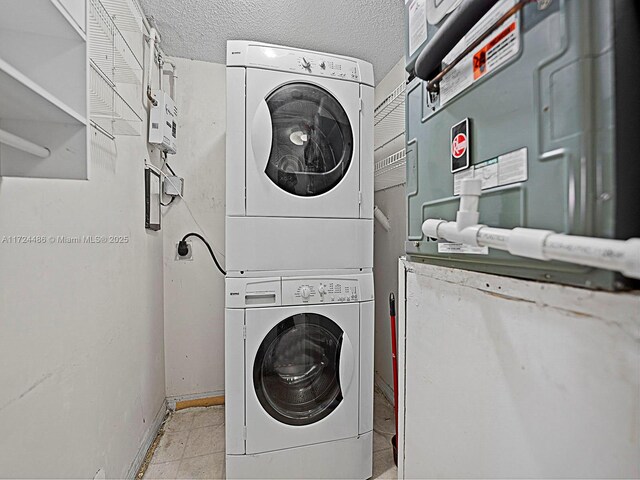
(299, 160)
(299, 376)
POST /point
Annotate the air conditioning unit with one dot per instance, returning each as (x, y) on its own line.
(543, 109)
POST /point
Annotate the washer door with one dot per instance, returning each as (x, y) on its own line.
(302, 146)
(296, 371)
(302, 381)
(312, 140)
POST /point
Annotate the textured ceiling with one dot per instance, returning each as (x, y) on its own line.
(371, 30)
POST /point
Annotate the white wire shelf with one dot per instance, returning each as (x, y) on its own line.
(110, 50)
(390, 171)
(388, 117)
(127, 16)
(109, 110)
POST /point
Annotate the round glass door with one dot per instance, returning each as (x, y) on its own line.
(312, 141)
(296, 370)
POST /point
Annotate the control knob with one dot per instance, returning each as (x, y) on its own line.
(322, 290)
(305, 292)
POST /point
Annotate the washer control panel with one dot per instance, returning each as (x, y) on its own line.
(297, 291)
(303, 62)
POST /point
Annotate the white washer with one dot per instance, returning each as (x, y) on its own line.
(299, 159)
(299, 376)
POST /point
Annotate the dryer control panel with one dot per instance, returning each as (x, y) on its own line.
(310, 63)
(316, 290)
(320, 290)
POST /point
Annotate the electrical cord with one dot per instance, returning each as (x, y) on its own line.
(183, 244)
(183, 248)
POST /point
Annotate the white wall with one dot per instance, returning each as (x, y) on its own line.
(81, 325)
(194, 290)
(388, 246)
(508, 378)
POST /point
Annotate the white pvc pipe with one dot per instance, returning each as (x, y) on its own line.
(152, 49)
(24, 145)
(622, 256)
(174, 77)
(493, 237)
(617, 255)
(148, 27)
(381, 218)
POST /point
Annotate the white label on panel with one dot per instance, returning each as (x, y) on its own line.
(496, 172)
(417, 24)
(512, 167)
(462, 248)
(492, 53)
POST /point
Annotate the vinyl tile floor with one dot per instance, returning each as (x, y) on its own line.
(192, 445)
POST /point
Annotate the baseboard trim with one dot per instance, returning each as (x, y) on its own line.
(200, 402)
(150, 436)
(205, 399)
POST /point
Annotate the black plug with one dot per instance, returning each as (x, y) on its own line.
(183, 248)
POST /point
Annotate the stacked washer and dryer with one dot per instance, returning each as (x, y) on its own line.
(299, 312)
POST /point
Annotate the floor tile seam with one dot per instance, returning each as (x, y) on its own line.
(186, 441)
(206, 426)
(198, 456)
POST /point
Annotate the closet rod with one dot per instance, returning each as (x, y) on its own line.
(22, 144)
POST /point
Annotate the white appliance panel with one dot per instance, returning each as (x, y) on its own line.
(257, 292)
(234, 380)
(235, 144)
(242, 53)
(277, 244)
(265, 433)
(263, 196)
(366, 151)
(367, 348)
(295, 61)
(350, 458)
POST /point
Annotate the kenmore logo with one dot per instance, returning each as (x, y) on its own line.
(234, 293)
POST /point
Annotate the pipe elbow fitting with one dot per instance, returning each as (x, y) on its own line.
(430, 227)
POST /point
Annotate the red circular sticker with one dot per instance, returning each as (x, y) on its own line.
(459, 145)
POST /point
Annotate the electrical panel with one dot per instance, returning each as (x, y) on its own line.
(544, 111)
(173, 185)
(163, 119)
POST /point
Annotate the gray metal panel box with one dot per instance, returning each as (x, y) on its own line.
(564, 106)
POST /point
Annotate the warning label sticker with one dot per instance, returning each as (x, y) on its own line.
(491, 54)
(446, 247)
(417, 24)
(503, 170)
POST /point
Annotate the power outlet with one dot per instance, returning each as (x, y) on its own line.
(188, 256)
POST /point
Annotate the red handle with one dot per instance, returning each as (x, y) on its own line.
(392, 315)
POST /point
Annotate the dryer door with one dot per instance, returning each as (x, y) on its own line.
(302, 146)
(301, 376)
